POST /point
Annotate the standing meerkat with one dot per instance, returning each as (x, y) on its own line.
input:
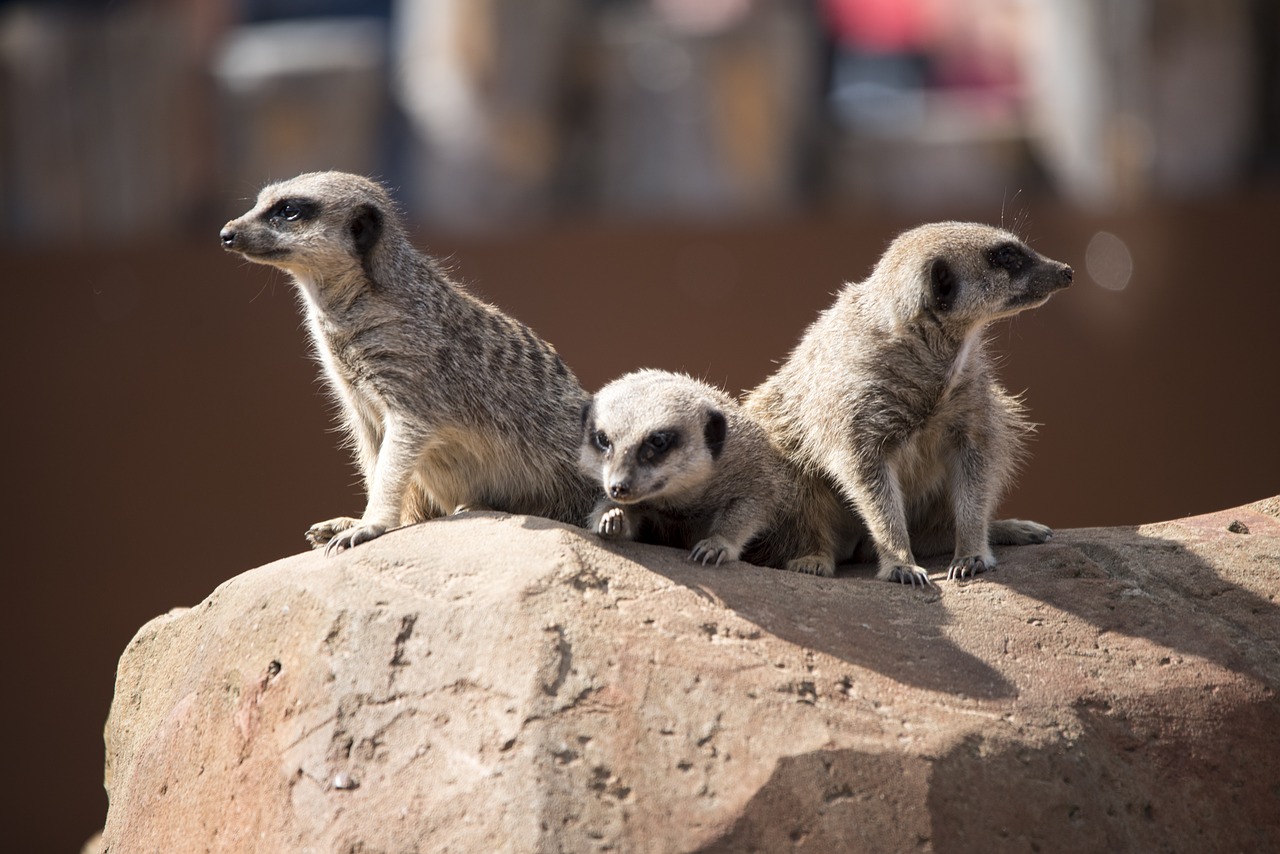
(680, 465)
(449, 404)
(888, 407)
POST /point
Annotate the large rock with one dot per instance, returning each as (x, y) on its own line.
(490, 683)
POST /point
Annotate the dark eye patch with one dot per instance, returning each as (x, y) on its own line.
(293, 210)
(601, 440)
(657, 445)
(1007, 256)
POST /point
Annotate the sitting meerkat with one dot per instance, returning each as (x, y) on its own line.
(449, 404)
(680, 465)
(888, 408)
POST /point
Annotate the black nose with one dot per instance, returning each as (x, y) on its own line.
(1067, 274)
(620, 489)
(228, 236)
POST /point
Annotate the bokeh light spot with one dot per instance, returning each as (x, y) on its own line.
(1109, 262)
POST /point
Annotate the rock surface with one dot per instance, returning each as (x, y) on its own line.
(495, 683)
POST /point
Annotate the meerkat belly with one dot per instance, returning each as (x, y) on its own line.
(920, 466)
(473, 469)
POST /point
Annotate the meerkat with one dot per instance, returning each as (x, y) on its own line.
(888, 407)
(449, 404)
(679, 465)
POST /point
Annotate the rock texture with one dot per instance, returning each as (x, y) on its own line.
(490, 683)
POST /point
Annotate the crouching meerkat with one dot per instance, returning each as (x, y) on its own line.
(888, 407)
(449, 404)
(680, 465)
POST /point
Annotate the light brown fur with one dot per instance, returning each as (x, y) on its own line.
(449, 404)
(679, 464)
(889, 414)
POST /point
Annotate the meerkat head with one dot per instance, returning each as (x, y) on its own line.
(319, 226)
(964, 275)
(650, 435)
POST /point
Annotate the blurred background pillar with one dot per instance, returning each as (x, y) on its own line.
(302, 94)
(480, 83)
(1133, 97)
(706, 107)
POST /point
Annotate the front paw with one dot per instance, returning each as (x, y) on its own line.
(613, 524)
(1018, 532)
(321, 533)
(813, 565)
(969, 566)
(916, 576)
(354, 536)
(714, 551)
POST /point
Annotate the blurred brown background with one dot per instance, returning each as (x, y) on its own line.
(668, 183)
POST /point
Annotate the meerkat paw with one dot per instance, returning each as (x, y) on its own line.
(354, 536)
(714, 551)
(613, 524)
(813, 565)
(969, 566)
(1018, 532)
(916, 576)
(321, 533)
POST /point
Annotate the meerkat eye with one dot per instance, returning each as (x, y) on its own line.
(289, 211)
(656, 445)
(601, 440)
(1007, 257)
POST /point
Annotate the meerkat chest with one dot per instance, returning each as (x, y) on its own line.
(343, 376)
(918, 463)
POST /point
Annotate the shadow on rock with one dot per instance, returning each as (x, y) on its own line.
(893, 630)
(834, 800)
(1171, 776)
(1125, 582)
(1168, 778)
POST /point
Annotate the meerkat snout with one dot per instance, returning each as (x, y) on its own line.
(228, 235)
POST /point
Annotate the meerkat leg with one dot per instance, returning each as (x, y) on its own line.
(1018, 532)
(807, 530)
(397, 458)
(877, 498)
(816, 563)
(612, 521)
(321, 533)
(734, 526)
(972, 504)
(471, 507)
(365, 434)
(819, 556)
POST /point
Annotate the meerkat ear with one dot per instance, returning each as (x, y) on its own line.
(585, 415)
(944, 284)
(366, 228)
(714, 431)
